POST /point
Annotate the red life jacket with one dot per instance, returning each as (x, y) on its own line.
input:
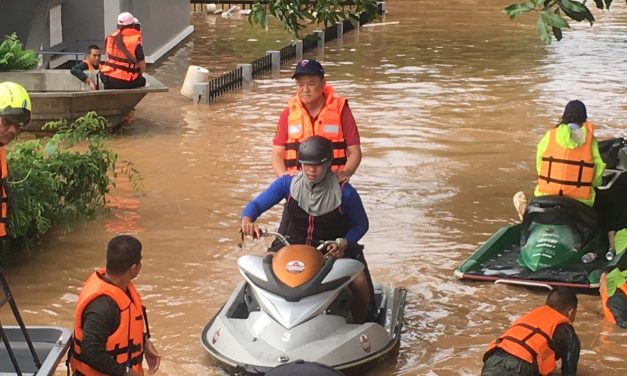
(4, 176)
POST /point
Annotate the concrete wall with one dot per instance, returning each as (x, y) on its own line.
(83, 24)
(165, 23)
(12, 14)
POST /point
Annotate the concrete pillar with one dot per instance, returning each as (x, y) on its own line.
(320, 35)
(299, 50)
(340, 30)
(276, 60)
(201, 93)
(247, 74)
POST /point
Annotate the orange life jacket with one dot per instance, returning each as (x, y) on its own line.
(603, 290)
(121, 64)
(126, 344)
(567, 172)
(4, 177)
(328, 124)
(530, 338)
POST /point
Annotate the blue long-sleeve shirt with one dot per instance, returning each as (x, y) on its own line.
(280, 189)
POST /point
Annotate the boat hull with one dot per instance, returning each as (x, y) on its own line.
(56, 94)
(51, 343)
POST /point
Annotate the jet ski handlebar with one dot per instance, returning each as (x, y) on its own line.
(322, 247)
(279, 236)
(610, 176)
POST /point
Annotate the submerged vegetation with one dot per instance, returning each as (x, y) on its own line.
(60, 179)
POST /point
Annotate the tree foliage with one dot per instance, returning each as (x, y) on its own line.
(60, 179)
(13, 55)
(551, 14)
(296, 15)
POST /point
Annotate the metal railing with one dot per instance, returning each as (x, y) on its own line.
(228, 81)
(288, 53)
(7, 297)
(233, 79)
(262, 65)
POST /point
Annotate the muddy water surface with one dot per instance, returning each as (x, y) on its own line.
(450, 102)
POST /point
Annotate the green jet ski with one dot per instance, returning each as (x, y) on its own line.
(559, 242)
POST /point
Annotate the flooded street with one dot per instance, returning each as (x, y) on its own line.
(450, 103)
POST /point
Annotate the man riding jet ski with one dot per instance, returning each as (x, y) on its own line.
(563, 240)
(295, 303)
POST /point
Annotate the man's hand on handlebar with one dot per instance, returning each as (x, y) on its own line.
(337, 248)
(249, 227)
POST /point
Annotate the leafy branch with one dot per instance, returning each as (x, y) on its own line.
(296, 15)
(551, 14)
(13, 55)
(61, 179)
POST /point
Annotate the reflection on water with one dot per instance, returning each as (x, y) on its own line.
(450, 103)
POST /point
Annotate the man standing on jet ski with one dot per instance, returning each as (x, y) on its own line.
(568, 160)
(318, 209)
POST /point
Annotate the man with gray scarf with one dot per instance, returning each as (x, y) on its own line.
(318, 209)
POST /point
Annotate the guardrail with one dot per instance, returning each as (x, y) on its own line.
(210, 91)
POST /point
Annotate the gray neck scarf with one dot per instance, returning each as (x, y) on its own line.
(317, 197)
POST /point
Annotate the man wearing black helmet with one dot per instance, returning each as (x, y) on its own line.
(15, 113)
(318, 209)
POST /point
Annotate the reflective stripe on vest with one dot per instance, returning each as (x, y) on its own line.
(126, 344)
(603, 290)
(118, 65)
(4, 177)
(567, 172)
(529, 338)
(328, 124)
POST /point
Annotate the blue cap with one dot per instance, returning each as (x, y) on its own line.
(309, 67)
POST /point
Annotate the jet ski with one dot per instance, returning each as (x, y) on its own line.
(559, 242)
(29, 350)
(295, 304)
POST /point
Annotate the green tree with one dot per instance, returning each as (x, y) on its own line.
(61, 179)
(296, 15)
(13, 55)
(552, 14)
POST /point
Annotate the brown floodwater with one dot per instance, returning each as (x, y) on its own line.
(450, 100)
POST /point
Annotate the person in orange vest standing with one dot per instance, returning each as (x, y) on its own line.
(316, 110)
(613, 291)
(125, 62)
(91, 64)
(568, 160)
(15, 113)
(534, 342)
(109, 333)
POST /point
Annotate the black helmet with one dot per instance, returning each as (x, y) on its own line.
(575, 112)
(315, 150)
